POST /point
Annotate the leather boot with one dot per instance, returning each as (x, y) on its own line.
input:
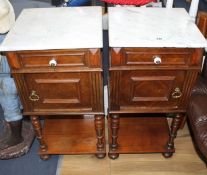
(15, 135)
(5, 132)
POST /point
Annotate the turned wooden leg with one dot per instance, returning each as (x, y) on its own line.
(173, 133)
(38, 131)
(99, 126)
(183, 119)
(114, 136)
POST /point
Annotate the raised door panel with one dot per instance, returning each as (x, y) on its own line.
(140, 90)
(61, 92)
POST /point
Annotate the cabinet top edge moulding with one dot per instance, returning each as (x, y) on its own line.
(153, 27)
(56, 28)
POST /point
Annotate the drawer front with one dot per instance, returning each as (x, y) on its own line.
(62, 59)
(67, 59)
(63, 92)
(151, 56)
(140, 90)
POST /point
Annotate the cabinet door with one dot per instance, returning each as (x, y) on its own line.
(146, 89)
(63, 92)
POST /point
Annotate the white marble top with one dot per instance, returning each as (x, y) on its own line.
(56, 28)
(153, 27)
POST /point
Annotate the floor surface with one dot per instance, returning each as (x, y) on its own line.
(185, 161)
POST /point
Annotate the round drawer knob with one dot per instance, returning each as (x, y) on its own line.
(53, 63)
(157, 60)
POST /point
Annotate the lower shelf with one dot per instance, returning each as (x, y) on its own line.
(70, 136)
(78, 136)
(142, 134)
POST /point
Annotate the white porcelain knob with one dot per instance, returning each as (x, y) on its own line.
(53, 63)
(157, 60)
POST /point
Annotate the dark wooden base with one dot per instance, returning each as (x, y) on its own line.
(100, 155)
(138, 134)
(44, 156)
(70, 136)
(113, 155)
(167, 154)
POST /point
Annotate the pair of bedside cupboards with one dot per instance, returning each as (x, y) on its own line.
(57, 68)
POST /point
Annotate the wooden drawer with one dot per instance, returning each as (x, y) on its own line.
(151, 57)
(80, 58)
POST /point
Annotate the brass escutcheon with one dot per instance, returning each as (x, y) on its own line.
(177, 93)
(33, 96)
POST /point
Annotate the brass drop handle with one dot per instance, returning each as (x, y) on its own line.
(177, 93)
(33, 96)
(157, 60)
(53, 63)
